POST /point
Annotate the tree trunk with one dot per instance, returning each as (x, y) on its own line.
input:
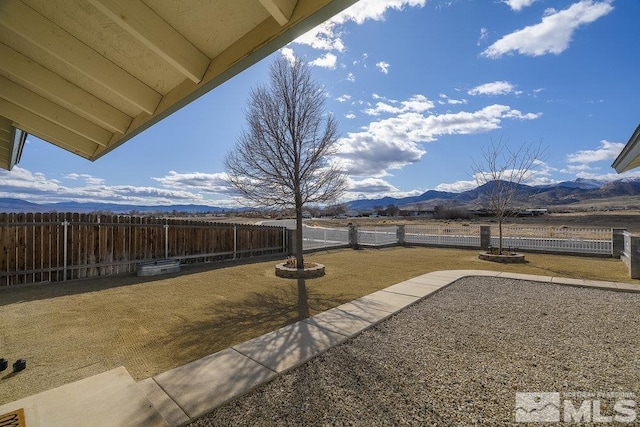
(303, 299)
(299, 237)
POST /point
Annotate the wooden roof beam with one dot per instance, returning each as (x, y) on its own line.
(49, 131)
(155, 33)
(32, 26)
(51, 111)
(281, 10)
(29, 73)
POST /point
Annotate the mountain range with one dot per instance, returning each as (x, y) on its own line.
(541, 196)
(579, 191)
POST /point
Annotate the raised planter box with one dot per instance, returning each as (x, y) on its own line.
(293, 273)
(512, 258)
(154, 268)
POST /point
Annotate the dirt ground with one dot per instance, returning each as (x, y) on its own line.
(71, 330)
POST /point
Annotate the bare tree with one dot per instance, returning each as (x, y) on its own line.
(503, 169)
(282, 157)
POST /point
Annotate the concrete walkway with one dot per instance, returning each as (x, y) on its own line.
(183, 394)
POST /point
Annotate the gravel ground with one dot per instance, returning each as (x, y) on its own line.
(458, 358)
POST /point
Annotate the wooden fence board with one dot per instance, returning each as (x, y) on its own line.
(33, 246)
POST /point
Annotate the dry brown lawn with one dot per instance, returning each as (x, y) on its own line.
(68, 331)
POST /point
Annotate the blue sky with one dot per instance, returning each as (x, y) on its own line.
(419, 87)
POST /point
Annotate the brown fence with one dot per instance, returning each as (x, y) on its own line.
(42, 247)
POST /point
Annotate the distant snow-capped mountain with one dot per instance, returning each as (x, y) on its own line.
(558, 194)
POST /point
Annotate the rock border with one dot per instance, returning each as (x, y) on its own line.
(512, 258)
(293, 273)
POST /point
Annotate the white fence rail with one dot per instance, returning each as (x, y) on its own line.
(443, 236)
(555, 239)
(544, 239)
(320, 237)
(377, 236)
(548, 244)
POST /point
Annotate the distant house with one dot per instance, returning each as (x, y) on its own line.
(421, 213)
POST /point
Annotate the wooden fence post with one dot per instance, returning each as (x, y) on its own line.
(65, 225)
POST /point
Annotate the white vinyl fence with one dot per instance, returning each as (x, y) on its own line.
(555, 239)
(378, 236)
(543, 239)
(321, 237)
(458, 236)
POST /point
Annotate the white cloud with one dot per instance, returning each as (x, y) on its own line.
(90, 180)
(35, 187)
(351, 77)
(327, 36)
(444, 99)
(457, 187)
(288, 54)
(383, 66)
(518, 5)
(553, 34)
(607, 151)
(328, 60)
(374, 188)
(538, 174)
(417, 103)
(484, 35)
(349, 116)
(370, 185)
(494, 88)
(206, 182)
(374, 10)
(609, 176)
(343, 98)
(364, 154)
(394, 142)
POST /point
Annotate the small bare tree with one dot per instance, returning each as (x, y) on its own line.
(281, 159)
(502, 171)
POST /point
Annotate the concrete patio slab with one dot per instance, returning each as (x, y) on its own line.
(341, 322)
(584, 283)
(600, 284)
(111, 398)
(438, 281)
(412, 288)
(289, 346)
(427, 280)
(207, 383)
(520, 276)
(169, 409)
(388, 301)
(567, 281)
(628, 287)
(465, 273)
(445, 274)
(365, 310)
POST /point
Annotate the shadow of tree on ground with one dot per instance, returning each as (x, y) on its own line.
(256, 314)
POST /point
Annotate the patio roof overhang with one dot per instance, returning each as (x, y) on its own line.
(629, 157)
(88, 75)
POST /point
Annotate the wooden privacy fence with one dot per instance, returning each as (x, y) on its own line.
(60, 246)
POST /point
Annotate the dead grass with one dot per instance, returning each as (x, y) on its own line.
(68, 331)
